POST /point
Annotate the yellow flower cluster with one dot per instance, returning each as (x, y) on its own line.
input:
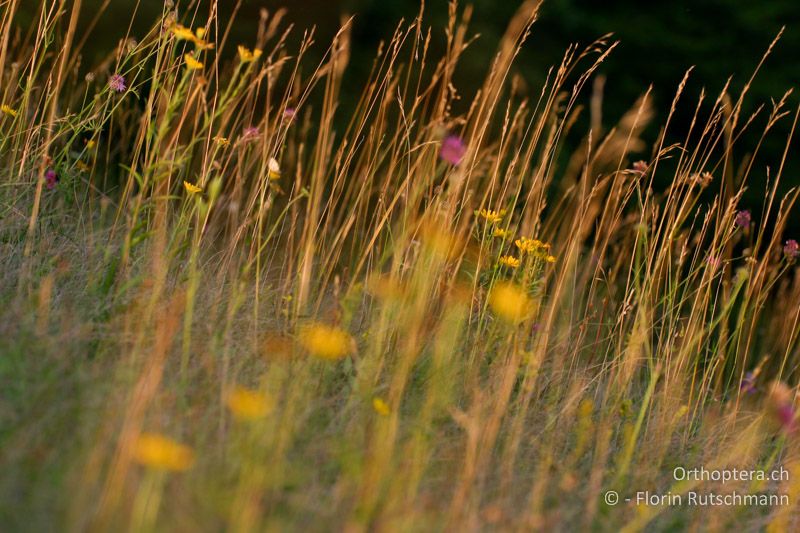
(325, 342)
(509, 261)
(192, 63)
(248, 56)
(501, 233)
(192, 188)
(491, 216)
(536, 248)
(182, 33)
(8, 110)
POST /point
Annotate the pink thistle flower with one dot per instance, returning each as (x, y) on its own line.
(791, 249)
(289, 113)
(453, 150)
(51, 179)
(743, 218)
(640, 167)
(250, 134)
(117, 83)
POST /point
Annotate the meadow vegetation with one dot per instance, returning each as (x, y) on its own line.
(228, 307)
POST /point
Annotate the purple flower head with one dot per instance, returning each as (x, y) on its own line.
(743, 218)
(289, 113)
(748, 385)
(791, 249)
(51, 179)
(117, 83)
(250, 134)
(453, 150)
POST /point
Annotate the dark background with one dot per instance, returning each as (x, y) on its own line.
(659, 41)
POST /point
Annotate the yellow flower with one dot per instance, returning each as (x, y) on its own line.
(246, 404)
(222, 141)
(192, 63)
(510, 302)
(550, 259)
(7, 110)
(325, 342)
(247, 56)
(492, 217)
(526, 245)
(501, 233)
(381, 407)
(183, 33)
(533, 246)
(161, 453)
(91, 143)
(192, 189)
(509, 261)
